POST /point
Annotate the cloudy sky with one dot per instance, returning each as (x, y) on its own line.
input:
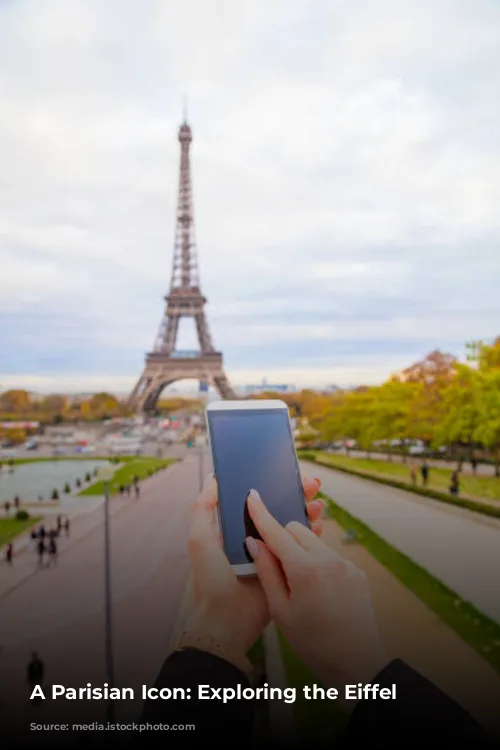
(346, 165)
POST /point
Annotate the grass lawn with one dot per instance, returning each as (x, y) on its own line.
(476, 629)
(78, 457)
(136, 467)
(439, 479)
(10, 528)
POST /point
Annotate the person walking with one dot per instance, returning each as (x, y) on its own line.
(454, 483)
(7, 507)
(66, 527)
(473, 463)
(35, 674)
(33, 537)
(59, 524)
(424, 470)
(137, 491)
(52, 553)
(413, 472)
(9, 554)
(17, 502)
(41, 551)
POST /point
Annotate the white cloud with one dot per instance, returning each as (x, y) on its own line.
(345, 166)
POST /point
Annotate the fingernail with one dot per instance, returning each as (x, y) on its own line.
(252, 547)
(254, 495)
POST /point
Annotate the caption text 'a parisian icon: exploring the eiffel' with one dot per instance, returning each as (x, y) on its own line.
(164, 365)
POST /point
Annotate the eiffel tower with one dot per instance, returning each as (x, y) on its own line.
(164, 365)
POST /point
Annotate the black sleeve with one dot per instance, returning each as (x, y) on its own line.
(420, 714)
(189, 669)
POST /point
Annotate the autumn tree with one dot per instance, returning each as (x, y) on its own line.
(15, 436)
(15, 402)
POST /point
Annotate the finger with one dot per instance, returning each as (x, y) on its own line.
(317, 527)
(270, 576)
(305, 537)
(279, 541)
(315, 510)
(207, 497)
(204, 543)
(311, 487)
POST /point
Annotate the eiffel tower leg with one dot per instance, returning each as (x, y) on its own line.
(204, 337)
(136, 397)
(221, 383)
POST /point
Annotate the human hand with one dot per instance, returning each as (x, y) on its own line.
(319, 601)
(229, 610)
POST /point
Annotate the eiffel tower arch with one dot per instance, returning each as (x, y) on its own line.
(164, 365)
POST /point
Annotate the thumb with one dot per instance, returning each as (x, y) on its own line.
(270, 575)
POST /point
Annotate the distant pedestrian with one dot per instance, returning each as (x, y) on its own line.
(17, 502)
(9, 554)
(41, 551)
(41, 532)
(121, 489)
(128, 488)
(66, 526)
(35, 674)
(33, 537)
(7, 507)
(454, 483)
(137, 491)
(473, 463)
(424, 470)
(52, 553)
(59, 523)
(413, 472)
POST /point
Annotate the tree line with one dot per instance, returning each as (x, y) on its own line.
(439, 401)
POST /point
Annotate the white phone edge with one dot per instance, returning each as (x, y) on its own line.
(247, 569)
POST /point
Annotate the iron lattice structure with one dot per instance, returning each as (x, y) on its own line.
(164, 365)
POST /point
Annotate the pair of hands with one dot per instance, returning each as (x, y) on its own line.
(319, 601)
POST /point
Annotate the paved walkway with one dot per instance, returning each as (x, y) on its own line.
(460, 548)
(59, 612)
(412, 632)
(406, 480)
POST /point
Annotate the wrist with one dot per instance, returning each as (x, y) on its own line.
(202, 640)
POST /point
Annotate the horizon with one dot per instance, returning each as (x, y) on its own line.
(346, 225)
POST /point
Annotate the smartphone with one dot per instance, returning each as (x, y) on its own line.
(252, 447)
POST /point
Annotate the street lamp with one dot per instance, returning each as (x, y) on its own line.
(105, 474)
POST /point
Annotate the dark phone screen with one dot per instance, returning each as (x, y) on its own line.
(254, 449)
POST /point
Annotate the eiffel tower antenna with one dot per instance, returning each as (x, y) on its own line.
(185, 109)
(164, 365)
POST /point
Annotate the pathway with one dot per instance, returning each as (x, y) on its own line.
(460, 548)
(59, 612)
(412, 632)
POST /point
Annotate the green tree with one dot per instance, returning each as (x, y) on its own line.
(488, 428)
(461, 413)
(390, 410)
